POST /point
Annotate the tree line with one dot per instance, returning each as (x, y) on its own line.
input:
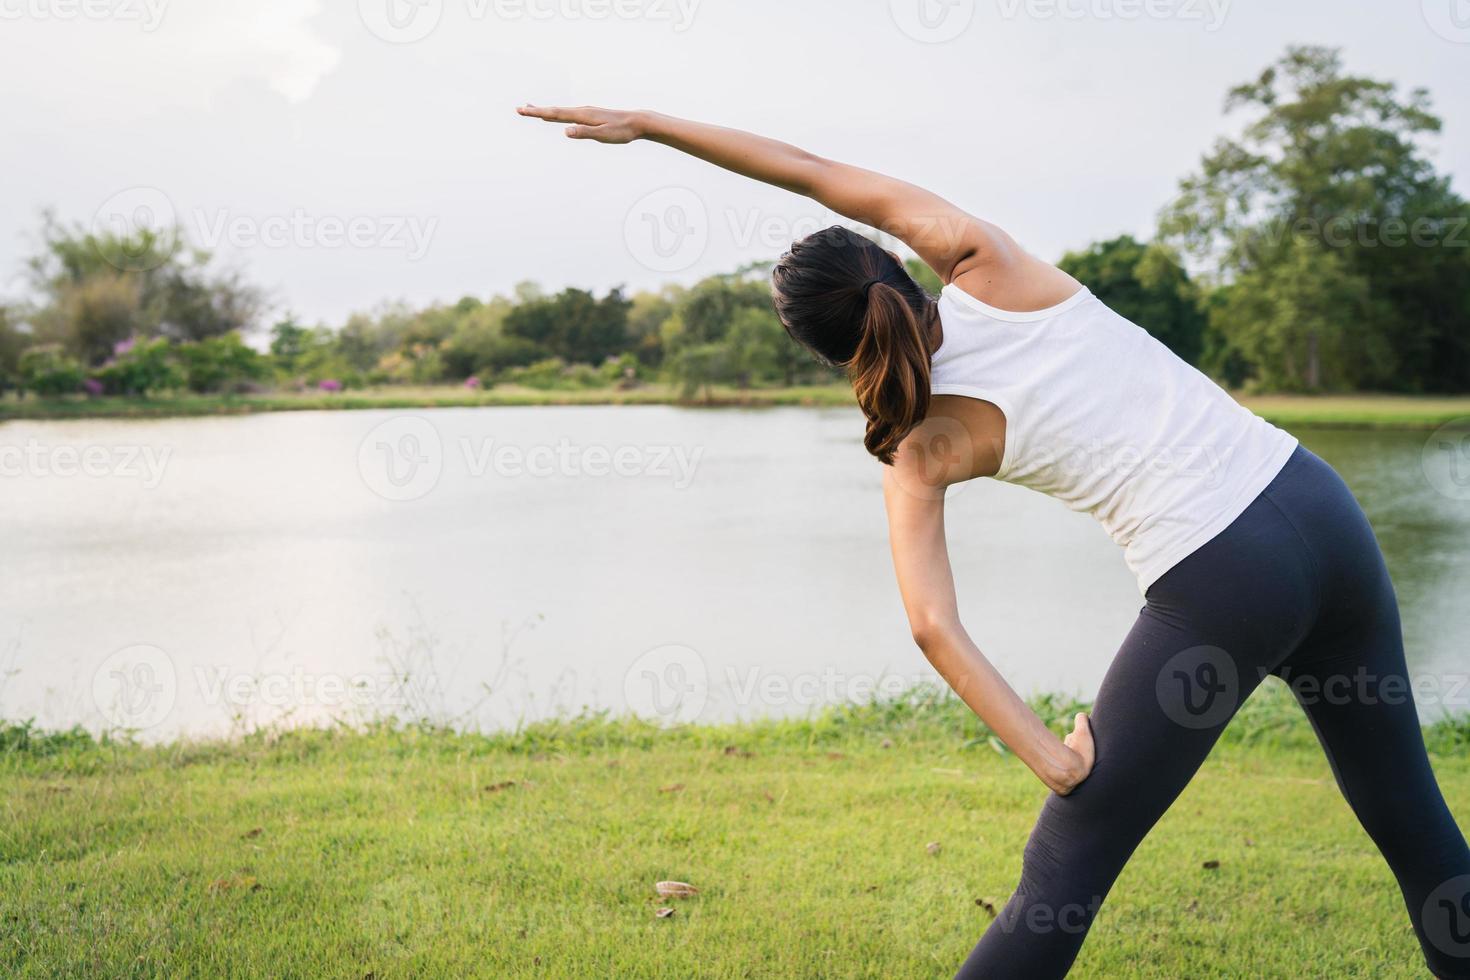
(1317, 250)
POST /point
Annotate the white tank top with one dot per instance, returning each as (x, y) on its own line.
(1105, 418)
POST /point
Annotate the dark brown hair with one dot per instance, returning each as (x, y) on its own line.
(855, 306)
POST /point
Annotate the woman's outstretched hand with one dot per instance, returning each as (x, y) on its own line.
(1084, 755)
(590, 122)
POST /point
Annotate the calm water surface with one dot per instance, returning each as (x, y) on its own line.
(211, 574)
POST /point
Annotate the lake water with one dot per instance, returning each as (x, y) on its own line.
(490, 566)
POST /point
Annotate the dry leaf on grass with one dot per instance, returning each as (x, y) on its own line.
(675, 889)
(663, 913)
(252, 833)
(671, 788)
(497, 787)
(237, 883)
(932, 847)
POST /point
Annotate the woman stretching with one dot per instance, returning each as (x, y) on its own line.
(1252, 555)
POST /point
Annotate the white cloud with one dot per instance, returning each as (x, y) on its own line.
(267, 39)
(159, 53)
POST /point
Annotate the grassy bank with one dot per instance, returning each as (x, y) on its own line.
(1352, 411)
(410, 398)
(407, 852)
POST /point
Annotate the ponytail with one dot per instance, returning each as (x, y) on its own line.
(890, 370)
(855, 306)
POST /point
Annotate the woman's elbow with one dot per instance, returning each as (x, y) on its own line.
(934, 628)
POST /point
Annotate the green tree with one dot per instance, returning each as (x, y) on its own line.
(708, 310)
(1331, 164)
(755, 342)
(162, 288)
(647, 313)
(12, 342)
(364, 340)
(1303, 320)
(290, 343)
(1144, 284)
(701, 366)
(573, 325)
(91, 316)
(478, 345)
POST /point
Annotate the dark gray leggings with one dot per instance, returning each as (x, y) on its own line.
(1295, 587)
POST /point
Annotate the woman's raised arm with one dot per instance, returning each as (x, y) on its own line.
(948, 239)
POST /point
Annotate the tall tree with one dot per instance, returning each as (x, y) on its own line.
(138, 283)
(1331, 164)
(573, 325)
(12, 342)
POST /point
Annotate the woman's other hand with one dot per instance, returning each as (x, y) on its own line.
(1083, 753)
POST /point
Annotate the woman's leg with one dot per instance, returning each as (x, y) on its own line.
(1351, 678)
(1369, 727)
(1214, 626)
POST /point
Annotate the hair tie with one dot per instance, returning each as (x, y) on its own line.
(867, 286)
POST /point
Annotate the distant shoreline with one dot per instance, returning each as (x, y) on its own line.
(1365, 411)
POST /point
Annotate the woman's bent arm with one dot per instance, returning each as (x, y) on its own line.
(915, 502)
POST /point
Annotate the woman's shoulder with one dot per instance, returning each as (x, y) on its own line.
(1022, 285)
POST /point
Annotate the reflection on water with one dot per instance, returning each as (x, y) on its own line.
(488, 566)
(1425, 536)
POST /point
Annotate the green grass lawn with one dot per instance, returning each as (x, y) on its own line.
(410, 852)
(1356, 411)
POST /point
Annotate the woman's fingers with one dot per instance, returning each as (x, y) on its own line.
(585, 115)
(588, 122)
(1081, 738)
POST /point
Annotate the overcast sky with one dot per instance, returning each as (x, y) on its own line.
(350, 152)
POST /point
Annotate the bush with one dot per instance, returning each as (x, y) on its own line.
(49, 371)
(139, 367)
(581, 376)
(621, 371)
(544, 375)
(221, 364)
